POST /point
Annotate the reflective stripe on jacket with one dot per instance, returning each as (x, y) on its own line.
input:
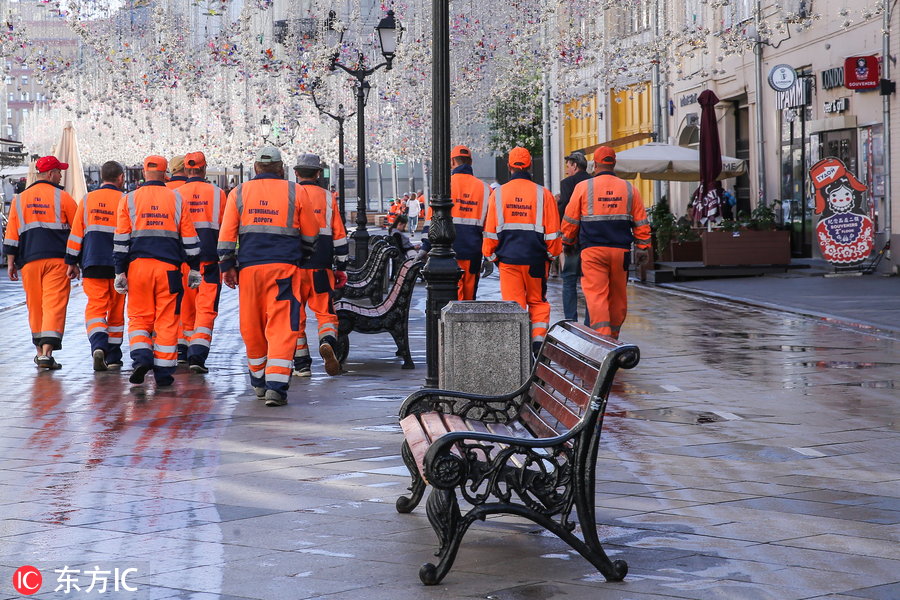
(332, 242)
(39, 222)
(470, 206)
(270, 219)
(522, 226)
(606, 211)
(91, 239)
(154, 222)
(206, 206)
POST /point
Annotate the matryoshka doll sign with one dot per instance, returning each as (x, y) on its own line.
(845, 231)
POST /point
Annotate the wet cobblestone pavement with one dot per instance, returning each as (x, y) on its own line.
(751, 455)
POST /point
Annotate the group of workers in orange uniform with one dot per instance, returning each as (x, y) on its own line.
(171, 244)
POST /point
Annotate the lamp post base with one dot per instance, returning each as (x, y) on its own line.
(441, 276)
(360, 247)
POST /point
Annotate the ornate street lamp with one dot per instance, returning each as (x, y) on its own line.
(388, 36)
(264, 129)
(339, 116)
(441, 271)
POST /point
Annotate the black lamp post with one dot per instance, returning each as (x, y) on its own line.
(339, 117)
(441, 271)
(387, 30)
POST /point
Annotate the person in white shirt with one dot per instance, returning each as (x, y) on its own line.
(413, 207)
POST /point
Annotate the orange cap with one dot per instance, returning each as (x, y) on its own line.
(605, 155)
(194, 160)
(155, 162)
(460, 151)
(520, 158)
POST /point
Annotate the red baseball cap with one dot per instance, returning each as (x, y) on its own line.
(520, 158)
(48, 163)
(195, 160)
(155, 162)
(605, 155)
(460, 151)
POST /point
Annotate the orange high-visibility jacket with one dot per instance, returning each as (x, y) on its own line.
(176, 182)
(606, 211)
(206, 205)
(91, 239)
(522, 226)
(470, 206)
(39, 222)
(153, 222)
(332, 243)
(272, 222)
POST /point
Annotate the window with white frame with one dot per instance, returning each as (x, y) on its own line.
(692, 10)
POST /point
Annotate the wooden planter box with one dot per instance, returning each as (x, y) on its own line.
(746, 247)
(682, 252)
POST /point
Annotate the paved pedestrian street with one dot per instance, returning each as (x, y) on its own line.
(751, 455)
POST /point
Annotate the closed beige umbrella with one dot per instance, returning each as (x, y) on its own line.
(67, 152)
(32, 172)
(670, 163)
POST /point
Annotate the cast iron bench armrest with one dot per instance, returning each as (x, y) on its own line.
(418, 402)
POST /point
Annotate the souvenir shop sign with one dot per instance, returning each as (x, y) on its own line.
(845, 232)
(861, 73)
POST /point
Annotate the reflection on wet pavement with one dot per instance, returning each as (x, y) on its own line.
(751, 455)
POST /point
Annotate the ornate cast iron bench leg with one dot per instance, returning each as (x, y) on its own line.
(406, 504)
(443, 513)
(400, 333)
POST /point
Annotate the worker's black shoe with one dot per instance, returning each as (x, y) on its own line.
(196, 365)
(137, 376)
(274, 398)
(99, 359)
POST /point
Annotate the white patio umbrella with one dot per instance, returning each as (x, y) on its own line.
(670, 163)
(67, 152)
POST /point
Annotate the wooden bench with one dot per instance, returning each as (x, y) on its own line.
(530, 453)
(390, 316)
(371, 280)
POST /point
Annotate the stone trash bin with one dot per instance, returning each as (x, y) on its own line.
(484, 347)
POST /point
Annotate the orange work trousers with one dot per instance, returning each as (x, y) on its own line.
(467, 287)
(154, 296)
(199, 310)
(527, 285)
(104, 317)
(604, 280)
(270, 307)
(315, 292)
(47, 296)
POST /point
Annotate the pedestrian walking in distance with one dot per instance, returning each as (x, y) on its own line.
(154, 235)
(90, 256)
(267, 232)
(605, 217)
(576, 172)
(521, 233)
(40, 218)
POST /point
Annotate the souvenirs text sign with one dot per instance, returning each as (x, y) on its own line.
(845, 232)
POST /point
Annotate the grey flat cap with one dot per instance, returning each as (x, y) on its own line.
(309, 161)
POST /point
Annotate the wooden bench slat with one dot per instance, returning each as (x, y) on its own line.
(433, 424)
(537, 424)
(568, 361)
(417, 438)
(567, 388)
(553, 406)
(579, 345)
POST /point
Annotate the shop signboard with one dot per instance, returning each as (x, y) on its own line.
(861, 73)
(846, 231)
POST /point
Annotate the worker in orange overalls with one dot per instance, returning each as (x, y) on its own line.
(90, 247)
(521, 233)
(200, 307)
(268, 229)
(179, 177)
(154, 235)
(470, 205)
(39, 222)
(319, 273)
(605, 216)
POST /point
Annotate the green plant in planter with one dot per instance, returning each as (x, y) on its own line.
(762, 219)
(662, 224)
(684, 231)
